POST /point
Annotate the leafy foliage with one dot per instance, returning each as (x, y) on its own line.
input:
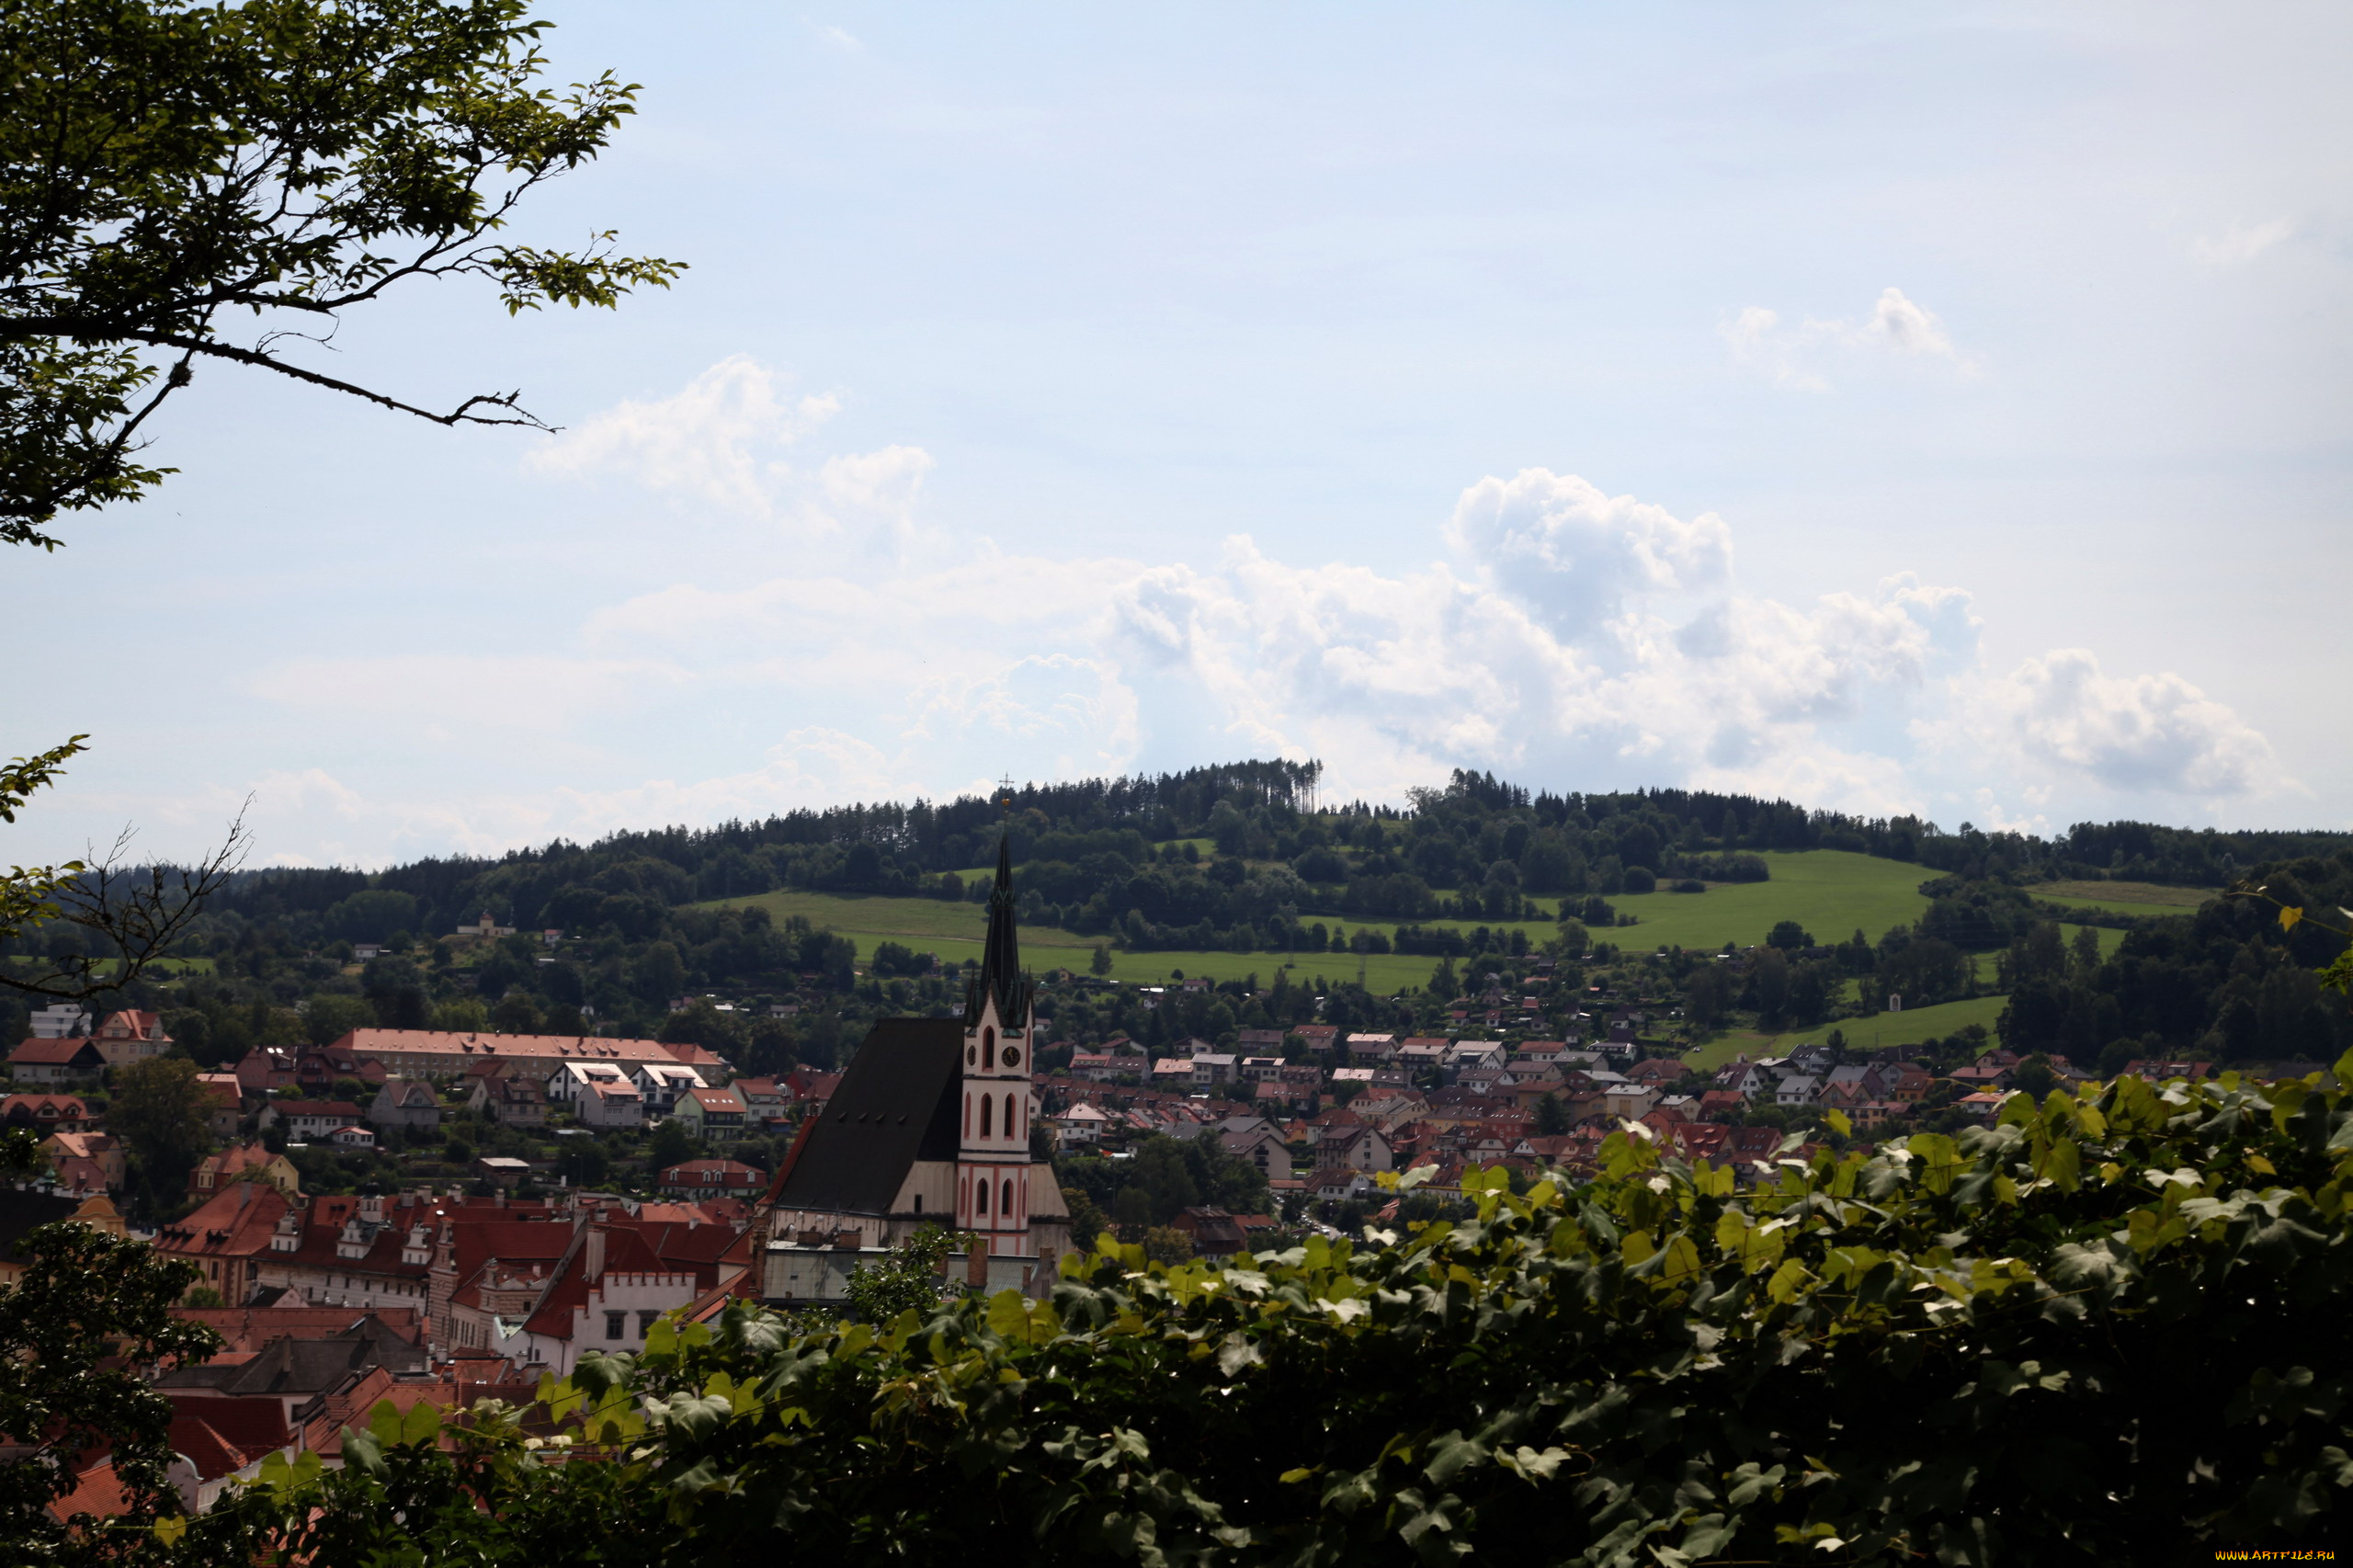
(167, 169)
(80, 1333)
(2100, 1331)
(908, 1280)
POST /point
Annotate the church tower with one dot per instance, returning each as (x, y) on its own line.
(993, 1170)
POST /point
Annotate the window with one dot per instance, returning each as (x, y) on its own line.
(616, 1324)
(918, 1202)
(645, 1322)
(1006, 1208)
(982, 1192)
(988, 1109)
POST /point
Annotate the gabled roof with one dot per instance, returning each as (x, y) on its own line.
(896, 1105)
(342, 1110)
(626, 1252)
(73, 1051)
(236, 1222)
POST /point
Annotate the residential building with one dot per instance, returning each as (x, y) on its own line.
(249, 1162)
(1255, 1138)
(1213, 1069)
(604, 1295)
(662, 1082)
(435, 1053)
(1320, 1040)
(224, 1103)
(712, 1178)
(307, 1120)
(74, 1059)
(514, 1095)
(44, 1113)
(717, 1116)
(128, 1037)
(1080, 1126)
(409, 1104)
(86, 1162)
(264, 1071)
(1358, 1148)
(60, 1020)
(766, 1101)
(1215, 1232)
(228, 1237)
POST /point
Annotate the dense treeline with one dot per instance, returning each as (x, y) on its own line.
(1237, 858)
(2227, 983)
(1240, 858)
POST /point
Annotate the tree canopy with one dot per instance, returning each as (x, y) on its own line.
(183, 184)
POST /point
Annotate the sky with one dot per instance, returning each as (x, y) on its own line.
(1928, 409)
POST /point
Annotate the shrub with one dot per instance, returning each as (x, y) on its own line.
(2098, 1332)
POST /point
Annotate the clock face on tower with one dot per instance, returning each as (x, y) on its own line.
(1012, 1057)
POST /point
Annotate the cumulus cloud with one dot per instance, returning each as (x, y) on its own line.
(716, 441)
(1575, 556)
(2138, 735)
(1793, 355)
(1559, 634)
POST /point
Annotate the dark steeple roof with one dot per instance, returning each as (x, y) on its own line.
(1000, 974)
(897, 1104)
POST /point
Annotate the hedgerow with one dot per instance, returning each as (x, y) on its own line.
(2102, 1330)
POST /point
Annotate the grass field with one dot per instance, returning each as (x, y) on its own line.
(1906, 1027)
(954, 932)
(2124, 898)
(1830, 893)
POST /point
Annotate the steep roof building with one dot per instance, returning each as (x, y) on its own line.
(930, 1125)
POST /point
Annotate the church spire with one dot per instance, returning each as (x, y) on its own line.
(1001, 975)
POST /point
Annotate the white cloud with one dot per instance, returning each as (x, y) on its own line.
(1896, 325)
(1566, 637)
(713, 441)
(2138, 734)
(2240, 243)
(1575, 556)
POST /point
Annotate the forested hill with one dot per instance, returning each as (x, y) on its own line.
(1475, 846)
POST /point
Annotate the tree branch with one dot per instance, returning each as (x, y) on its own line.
(461, 414)
(138, 916)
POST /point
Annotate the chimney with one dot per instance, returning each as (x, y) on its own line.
(976, 1264)
(596, 1252)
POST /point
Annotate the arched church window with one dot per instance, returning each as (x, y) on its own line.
(1006, 1207)
(982, 1192)
(988, 1109)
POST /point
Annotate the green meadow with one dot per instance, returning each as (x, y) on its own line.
(1907, 1028)
(1830, 893)
(954, 932)
(2124, 898)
